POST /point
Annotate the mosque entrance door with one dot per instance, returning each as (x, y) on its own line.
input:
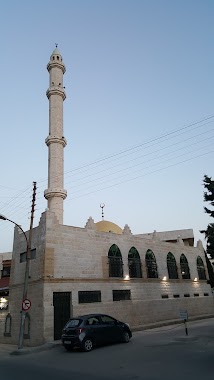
(62, 311)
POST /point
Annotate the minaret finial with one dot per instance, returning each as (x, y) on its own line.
(102, 205)
(56, 45)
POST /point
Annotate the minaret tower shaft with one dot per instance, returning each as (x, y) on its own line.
(55, 194)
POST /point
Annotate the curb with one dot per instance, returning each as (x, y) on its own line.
(170, 322)
(30, 350)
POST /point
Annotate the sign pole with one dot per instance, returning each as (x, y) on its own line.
(185, 324)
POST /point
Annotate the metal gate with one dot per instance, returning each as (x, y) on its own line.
(62, 310)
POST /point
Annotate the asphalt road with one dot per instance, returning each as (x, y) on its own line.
(160, 354)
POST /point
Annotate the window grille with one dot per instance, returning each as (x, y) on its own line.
(121, 295)
(196, 294)
(186, 295)
(164, 296)
(115, 262)
(201, 269)
(206, 294)
(134, 264)
(176, 295)
(171, 266)
(151, 265)
(89, 296)
(184, 267)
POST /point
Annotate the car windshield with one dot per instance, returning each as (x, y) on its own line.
(73, 323)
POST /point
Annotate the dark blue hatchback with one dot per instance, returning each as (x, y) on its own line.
(89, 330)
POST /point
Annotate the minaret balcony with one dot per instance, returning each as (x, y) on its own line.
(56, 90)
(53, 64)
(55, 140)
(50, 193)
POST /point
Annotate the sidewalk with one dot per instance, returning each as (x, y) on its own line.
(13, 349)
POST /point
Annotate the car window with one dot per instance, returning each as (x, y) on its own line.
(92, 321)
(73, 323)
(107, 320)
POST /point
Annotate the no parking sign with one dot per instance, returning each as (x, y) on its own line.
(26, 304)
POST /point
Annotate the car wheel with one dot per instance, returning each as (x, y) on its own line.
(125, 337)
(68, 348)
(87, 345)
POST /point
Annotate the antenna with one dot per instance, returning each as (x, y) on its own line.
(102, 205)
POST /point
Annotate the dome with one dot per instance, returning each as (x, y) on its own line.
(56, 52)
(105, 226)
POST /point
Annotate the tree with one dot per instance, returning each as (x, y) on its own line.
(209, 232)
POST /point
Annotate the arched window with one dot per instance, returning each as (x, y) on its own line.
(171, 266)
(115, 262)
(151, 265)
(134, 263)
(184, 267)
(201, 269)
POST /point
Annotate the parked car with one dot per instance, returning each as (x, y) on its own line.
(87, 331)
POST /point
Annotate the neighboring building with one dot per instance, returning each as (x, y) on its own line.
(141, 279)
(5, 266)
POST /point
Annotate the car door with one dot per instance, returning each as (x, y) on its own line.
(111, 331)
(95, 329)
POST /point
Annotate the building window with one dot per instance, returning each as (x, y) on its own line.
(164, 296)
(121, 295)
(196, 294)
(184, 267)
(24, 254)
(186, 295)
(6, 271)
(8, 325)
(176, 295)
(206, 294)
(201, 269)
(151, 264)
(27, 326)
(115, 262)
(89, 296)
(171, 266)
(134, 263)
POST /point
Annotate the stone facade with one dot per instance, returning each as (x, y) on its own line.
(71, 259)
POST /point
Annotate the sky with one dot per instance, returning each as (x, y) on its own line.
(138, 118)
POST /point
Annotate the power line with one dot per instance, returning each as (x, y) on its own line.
(156, 139)
(143, 175)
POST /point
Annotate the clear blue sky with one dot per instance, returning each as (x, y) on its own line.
(136, 70)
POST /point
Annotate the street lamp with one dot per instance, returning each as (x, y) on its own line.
(25, 288)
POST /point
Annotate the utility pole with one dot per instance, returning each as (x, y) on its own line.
(28, 257)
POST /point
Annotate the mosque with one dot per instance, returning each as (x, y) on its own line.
(141, 279)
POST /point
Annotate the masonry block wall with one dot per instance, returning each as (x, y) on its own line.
(72, 259)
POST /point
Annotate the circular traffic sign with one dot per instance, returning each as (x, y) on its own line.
(26, 304)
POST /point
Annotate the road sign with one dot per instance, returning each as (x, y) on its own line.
(183, 314)
(26, 304)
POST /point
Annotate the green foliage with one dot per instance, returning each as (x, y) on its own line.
(209, 232)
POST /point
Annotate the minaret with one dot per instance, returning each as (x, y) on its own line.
(55, 194)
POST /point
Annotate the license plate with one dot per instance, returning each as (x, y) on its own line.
(67, 341)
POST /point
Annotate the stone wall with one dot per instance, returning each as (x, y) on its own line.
(72, 259)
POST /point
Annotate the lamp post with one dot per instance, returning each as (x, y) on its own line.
(25, 288)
